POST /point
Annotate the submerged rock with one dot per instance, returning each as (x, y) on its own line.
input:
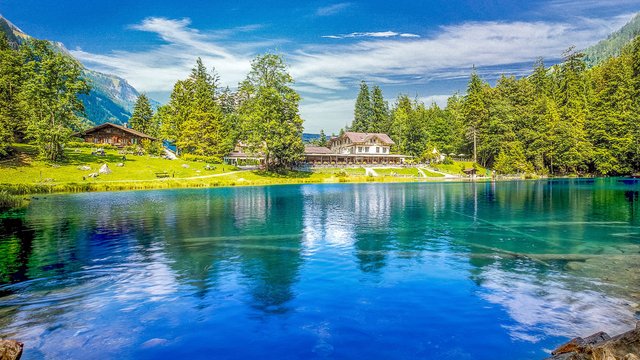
(601, 346)
(10, 350)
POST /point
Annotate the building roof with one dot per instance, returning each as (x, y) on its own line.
(106, 125)
(359, 138)
(317, 150)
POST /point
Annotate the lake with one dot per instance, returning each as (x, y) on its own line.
(505, 270)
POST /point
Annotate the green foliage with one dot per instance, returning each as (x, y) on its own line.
(49, 96)
(142, 119)
(363, 113)
(200, 158)
(152, 147)
(196, 118)
(271, 124)
(11, 78)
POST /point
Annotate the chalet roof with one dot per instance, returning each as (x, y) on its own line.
(125, 129)
(317, 150)
(360, 138)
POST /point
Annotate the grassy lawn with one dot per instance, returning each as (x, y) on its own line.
(348, 171)
(397, 171)
(458, 166)
(26, 168)
(432, 174)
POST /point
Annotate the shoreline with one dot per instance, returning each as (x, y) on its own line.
(34, 189)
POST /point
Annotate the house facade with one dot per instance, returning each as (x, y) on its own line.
(352, 148)
(113, 134)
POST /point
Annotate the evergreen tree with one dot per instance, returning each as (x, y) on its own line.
(323, 139)
(363, 113)
(269, 112)
(475, 111)
(142, 117)
(11, 115)
(49, 95)
(380, 120)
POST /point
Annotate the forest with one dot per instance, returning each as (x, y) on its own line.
(559, 120)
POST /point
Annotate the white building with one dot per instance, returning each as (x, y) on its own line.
(361, 143)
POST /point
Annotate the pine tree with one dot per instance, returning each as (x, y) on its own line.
(323, 139)
(11, 115)
(363, 113)
(475, 111)
(142, 117)
(380, 120)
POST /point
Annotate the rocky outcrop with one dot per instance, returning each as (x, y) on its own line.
(10, 350)
(601, 346)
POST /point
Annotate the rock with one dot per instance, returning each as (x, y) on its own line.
(120, 165)
(601, 346)
(186, 166)
(10, 350)
(93, 175)
(104, 169)
(84, 168)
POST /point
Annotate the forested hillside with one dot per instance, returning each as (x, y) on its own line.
(613, 45)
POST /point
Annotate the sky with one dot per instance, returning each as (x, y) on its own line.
(425, 49)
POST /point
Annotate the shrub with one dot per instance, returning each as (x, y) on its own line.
(447, 161)
(201, 158)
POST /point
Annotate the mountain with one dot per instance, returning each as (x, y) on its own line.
(612, 45)
(111, 98)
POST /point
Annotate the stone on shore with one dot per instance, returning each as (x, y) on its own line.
(10, 350)
(104, 169)
(601, 346)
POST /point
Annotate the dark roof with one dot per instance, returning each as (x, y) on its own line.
(125, 129)
(359, 138)
(317, 150)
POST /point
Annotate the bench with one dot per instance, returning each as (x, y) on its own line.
(162, 174)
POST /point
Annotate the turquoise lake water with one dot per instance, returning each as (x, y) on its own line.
(503, 270)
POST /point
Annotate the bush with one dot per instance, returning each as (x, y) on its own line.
(88, 145)
(447, 161)
(201, 158)
(152, 147)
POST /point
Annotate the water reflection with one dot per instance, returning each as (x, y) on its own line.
(523, 261)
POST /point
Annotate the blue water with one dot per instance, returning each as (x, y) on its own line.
(381, 271)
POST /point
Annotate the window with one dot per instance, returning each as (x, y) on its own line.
(377, 149)
(366, 149)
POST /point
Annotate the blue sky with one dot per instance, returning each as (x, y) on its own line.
(421, 48)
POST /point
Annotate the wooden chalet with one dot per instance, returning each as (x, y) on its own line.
(112, 134)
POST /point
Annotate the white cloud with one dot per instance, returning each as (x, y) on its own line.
(332, 9)
(158, 68)
(454, 50)
(378, 34)
(328, 115)
(440, 100)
